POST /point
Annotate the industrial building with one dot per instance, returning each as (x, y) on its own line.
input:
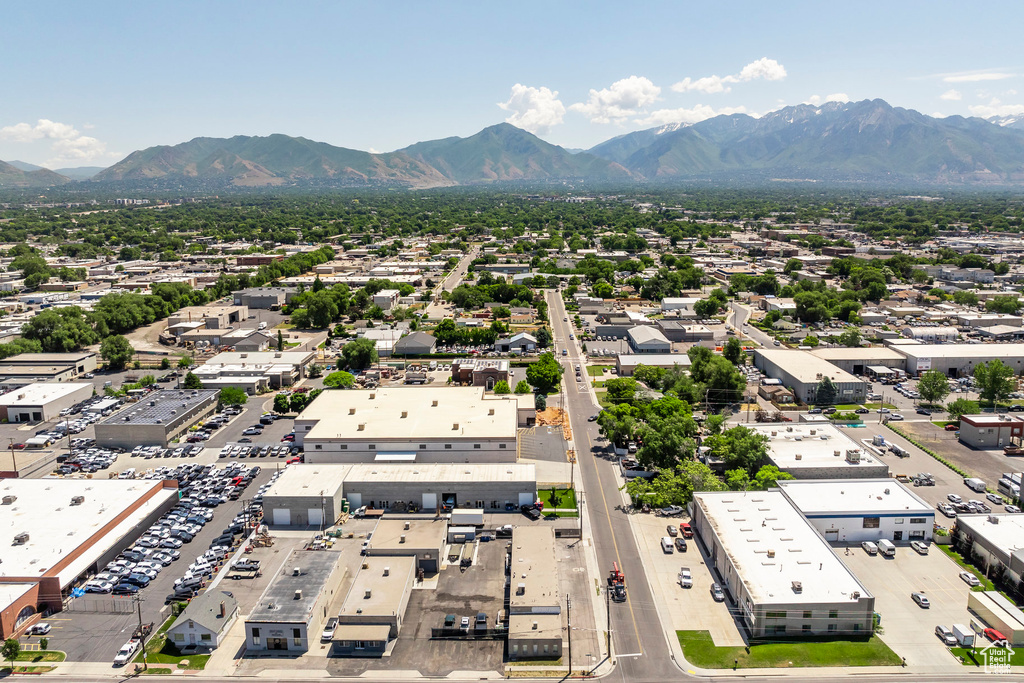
(771, 562)
(857, 360)
(480, 372)
(997, 540)
(61, 531)
(819, 451)
(42, 401)
(311, 494)
(679, 331)
(991, 430)
(411, 425)
(374, 608)
(158, 419)
(647, 339)
(255, 371)
(849, 511)
(421, 539)
(293, 608)
(626, 363)
(999, 613)
(271, 298)
(959, 360)
(534, 604)
(79, 363)
(802, 372)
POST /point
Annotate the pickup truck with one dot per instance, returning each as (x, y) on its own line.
(126, 652)
(246, 565)
(685, 578)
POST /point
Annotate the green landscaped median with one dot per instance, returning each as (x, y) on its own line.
(700, 650)
(977, 656)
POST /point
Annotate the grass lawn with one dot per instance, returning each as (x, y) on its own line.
(562, 513)
(876, 406)
(566, 498)
(847, 407)
(976, 658)
(160, 651)
(597, 370)
(597, 383)
(602, 399)
(940, 423)
(41, 656)
(158, 671)
(6, 671)
(701, 651)
(986, 585)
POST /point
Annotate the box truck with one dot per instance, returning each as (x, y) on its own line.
(964, 635)
(467, 518)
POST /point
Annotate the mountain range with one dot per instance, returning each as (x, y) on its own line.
(868, 142)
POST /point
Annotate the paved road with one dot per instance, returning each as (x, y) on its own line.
(638, 640)
(738, 316)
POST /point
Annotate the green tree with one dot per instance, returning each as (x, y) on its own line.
(11, 649)
(500, 312)
(545, 374)
(649, 375)
(850, 338)
(714, 423)
(826, 392)
(621, 389)
(737, 480)
(358, 354)
(540, 401)
(957, 408)
(1003, 303)
(603, 290)
(543, 336)
(185, 362)
(933, 386)
(298, 402)
(733, 352)
(502, 387)
(792, 265)
(739, 448)
(965, 297)
(705, 308)
(523, 387)
(165, 363)
(673, 485)
(281, 403)
(321, 309)
(117, 351)
(280, 341)
(192, 382)
(768, 476)
(232, 396)
(60, 330)
(995, 381)
(339, 380)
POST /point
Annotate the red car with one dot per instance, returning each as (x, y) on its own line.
(994, 635)
(291, 460)
(288, 437)
(951, 428)
(18, 446)
(685, 529)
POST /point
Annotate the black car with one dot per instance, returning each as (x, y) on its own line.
(531, 511)
(1016, 408)
(862, 411)
(923, 411)
(125, 589)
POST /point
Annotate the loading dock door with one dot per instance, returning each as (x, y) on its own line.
(316, 516)
(429, 501)
(526, 499)
(355, 500)
(283, 516)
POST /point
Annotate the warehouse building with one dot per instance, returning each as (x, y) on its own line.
(410, 425)
(626, 363)
(534, 604)
(771, 562)
(42, 402)
(61, 531)
(802, 371)
(848, 511)
(647, 339)
(273, 369)
(991, 430)
(421, 539)
(293, 608)
(312, 494)
(997, 540)
(271, 298)
(374, 608)
(999, 613)
(77, 363)
(819, 451)
(857, 360)
(158, 419)
(959, 360)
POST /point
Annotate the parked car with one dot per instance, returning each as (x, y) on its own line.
(951, 428)
(869, 547)
(920, 546)
(969, 578)
(921, 599)
(993, 635)
(685, 578)
(672, 530)
(946, 636)
(924, 411)
(329, 628)
(38, 629)
(717, 593)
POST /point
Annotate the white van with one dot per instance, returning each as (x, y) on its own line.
(869, 547)
(667, 545)
(886, 548)
(975, 484)
(261, 326)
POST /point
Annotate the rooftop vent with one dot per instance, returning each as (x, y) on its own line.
(798, 456)
(366, 565)
(491, 411)
(9, 500)
(521, 589)
(21, 538)
(362, 426)
(535, 626)
(373, 395)
(77, 500)
(771, 553)
(405, 413)
(993, 519)
(298, 594)
(296, 571)
(433, 403)
(798, 587)
(368, 594)
(351, 411)
(387, 571)
(455, 426)
(407, 526)
(855, 595)
(401, 539)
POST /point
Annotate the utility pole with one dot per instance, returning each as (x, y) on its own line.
(142, 634)
(568, 621)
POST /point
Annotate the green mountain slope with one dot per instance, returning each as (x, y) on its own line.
(11, 176)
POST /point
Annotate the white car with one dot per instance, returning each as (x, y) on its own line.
(969, 578)
(126, 652)
(98, 587)
(170, 543)
(685, 578)
(920, 546)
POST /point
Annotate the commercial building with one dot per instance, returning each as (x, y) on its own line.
(678, 303)
(517, 343)
(647, 339)
(210, 317)
(932, 334)
(415, 344)
(79, 363)
(784, 579)
(254, 371)
(997, 541)
(535, 605)
(42, 402)
(999, 613)
(205, 621)
(991, 430)
(819, 451)
(849, 511)
(61, 531)
(292, 609)
(421, 539)
(678, 331)
(626, 363)
(374, 608)
(480, 372)
(959, 360)
(159, 418)
(266, 298)
(444, 424)
(857, 360)
(802, 372)
(306, 495)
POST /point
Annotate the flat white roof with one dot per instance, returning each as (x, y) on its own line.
(375, 594)
(41, 393)
(441, 472)
(872, 353)
(308, 480)
(805, 366)
(965, 351)
(533, 565)
(993, 420)
(1007, 533)
(654, 359)
(754, 525)
(9, 592)
(814, 450)
(845, 497)
(57, 528)
(261, 358)
(408, 413)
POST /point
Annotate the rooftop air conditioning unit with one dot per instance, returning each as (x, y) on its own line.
(296, 571)
(8, 500)
(491, 411)
(351, 411)
(298, 594)
(401, 539)
(407, 526)
(21, 538)
(387, 571)
(993, 519)
(799, 456)
(368, 594)
(855, 595)
(455, 427)
(798, 587)
(405, 413)
(771, 553)
(433, 403)
(77, 500)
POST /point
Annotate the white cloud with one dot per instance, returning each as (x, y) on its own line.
(951, 94)
(995, 107)
(69, 145)
(700, 112)
(623, 99)
(977, 76)
(763, 69)
(534, 109)
(817, 100)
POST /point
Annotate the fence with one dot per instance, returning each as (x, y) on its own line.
(101, 605)
(471, 634)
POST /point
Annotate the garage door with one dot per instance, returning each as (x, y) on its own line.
(429, 501)
(355, 500)
(316, 516)
(526, 499)
(282, 516)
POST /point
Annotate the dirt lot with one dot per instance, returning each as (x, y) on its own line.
(985, 464)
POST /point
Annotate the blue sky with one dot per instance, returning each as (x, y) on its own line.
(87, 83)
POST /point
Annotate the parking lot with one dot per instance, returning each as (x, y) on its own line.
(909, 629)
(683, 608)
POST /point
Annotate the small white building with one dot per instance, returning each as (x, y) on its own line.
(206, 620)
(386, 299)
(40, 402)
